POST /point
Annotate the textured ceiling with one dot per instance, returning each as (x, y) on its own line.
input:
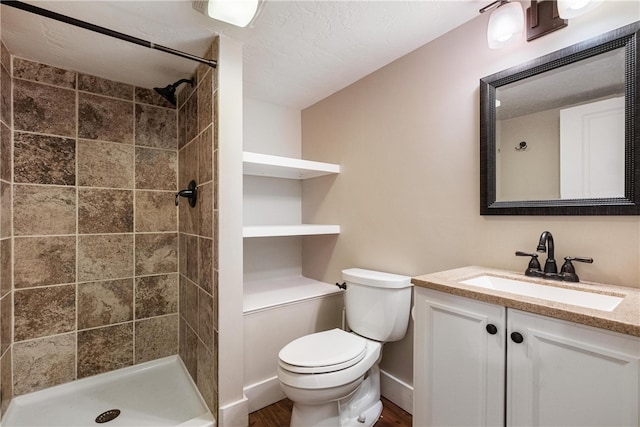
(296, 53)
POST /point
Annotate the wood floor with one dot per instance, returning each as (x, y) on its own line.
(279, 415)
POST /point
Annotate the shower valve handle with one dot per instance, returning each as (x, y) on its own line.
(191, 193)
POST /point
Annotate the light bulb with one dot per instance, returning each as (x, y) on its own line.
(506, 24)
(235, 12)
(568, 9)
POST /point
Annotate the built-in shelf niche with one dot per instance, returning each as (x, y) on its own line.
(269, 166)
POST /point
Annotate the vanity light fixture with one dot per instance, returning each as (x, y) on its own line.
(240, 13)
(506, 23)
(571, 8)
(543, 18)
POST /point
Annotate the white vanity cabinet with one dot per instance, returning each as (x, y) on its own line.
(529, 371)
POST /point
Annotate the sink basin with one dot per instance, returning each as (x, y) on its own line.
(549, 293)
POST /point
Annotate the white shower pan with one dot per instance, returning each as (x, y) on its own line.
(157, 393)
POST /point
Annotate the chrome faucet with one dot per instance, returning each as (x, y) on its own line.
(546, 245)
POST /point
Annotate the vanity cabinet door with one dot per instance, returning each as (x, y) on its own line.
(565, 374)
(459, 369)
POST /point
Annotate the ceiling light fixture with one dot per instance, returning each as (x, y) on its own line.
(240, 13)
(506, 23)
(568, 9)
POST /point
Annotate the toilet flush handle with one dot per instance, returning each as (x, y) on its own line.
(342, 285)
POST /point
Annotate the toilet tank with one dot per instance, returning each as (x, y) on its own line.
(377, 304)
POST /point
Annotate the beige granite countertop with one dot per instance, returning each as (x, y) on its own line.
(625, 318)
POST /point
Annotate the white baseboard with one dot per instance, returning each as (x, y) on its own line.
(267, 392)
(396, 391)
(263, 393)
(234, 414)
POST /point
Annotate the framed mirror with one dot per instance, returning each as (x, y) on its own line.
(560, 135)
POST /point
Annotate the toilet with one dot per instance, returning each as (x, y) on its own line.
(333, 377)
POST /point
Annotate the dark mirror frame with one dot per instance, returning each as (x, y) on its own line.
(626, 37)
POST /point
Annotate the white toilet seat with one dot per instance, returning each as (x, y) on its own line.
(335, 378)
(323, 352)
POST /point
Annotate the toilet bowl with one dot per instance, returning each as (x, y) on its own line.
(328, 368)
(333, 377)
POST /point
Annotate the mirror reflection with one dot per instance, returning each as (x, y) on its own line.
(561, 134)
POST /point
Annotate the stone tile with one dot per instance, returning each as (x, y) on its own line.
(189, 349)
(43, 261)
(151, 97)
(42, 73)
(5, 56)
(105, 303)
(105, 211)
(206, 380)
(182, 299)
(5, 96)
(42, 159)
(189, 303)
(189, 221)
(189, 257)
(205, 207)
(105, 349)
(105, 164)
(6, 373)
(5, 153)
(182, 127)
(40, 312)
(184, 93)
(156, 253)
(156, 127)
(156, 169)
(6, 331)
(105, 87)
(6, 269)
(44, 109)
(205, 264)
(105, 119)
(156, 338)
(191, 118)
(43, 363)
(105, 257)
(156, 295)
(205, 318)
(5, 209)
(205, 156)
(188, 164)
(41, 209)
(205, 102)
(155, 211)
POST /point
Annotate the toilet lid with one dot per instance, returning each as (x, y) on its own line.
(323, 352)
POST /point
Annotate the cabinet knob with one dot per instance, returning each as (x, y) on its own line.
(517, 337)
(491, 328)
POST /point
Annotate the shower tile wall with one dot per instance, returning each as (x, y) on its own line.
(6, 247)
(197, 142)
(95, 269)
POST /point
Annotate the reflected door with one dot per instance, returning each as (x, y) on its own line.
(592, 150)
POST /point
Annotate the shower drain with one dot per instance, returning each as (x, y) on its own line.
(107, 416)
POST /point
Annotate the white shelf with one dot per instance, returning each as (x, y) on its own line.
(284, 167)
(269, 293)
(288, 230)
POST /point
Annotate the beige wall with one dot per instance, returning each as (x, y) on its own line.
(407, 197)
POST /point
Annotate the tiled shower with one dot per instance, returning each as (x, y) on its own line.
(98, 268)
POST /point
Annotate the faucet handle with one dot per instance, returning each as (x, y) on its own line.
(534, 265)
(568, 271)
(579, 259)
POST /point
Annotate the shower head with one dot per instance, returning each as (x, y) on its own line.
(169, 92)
